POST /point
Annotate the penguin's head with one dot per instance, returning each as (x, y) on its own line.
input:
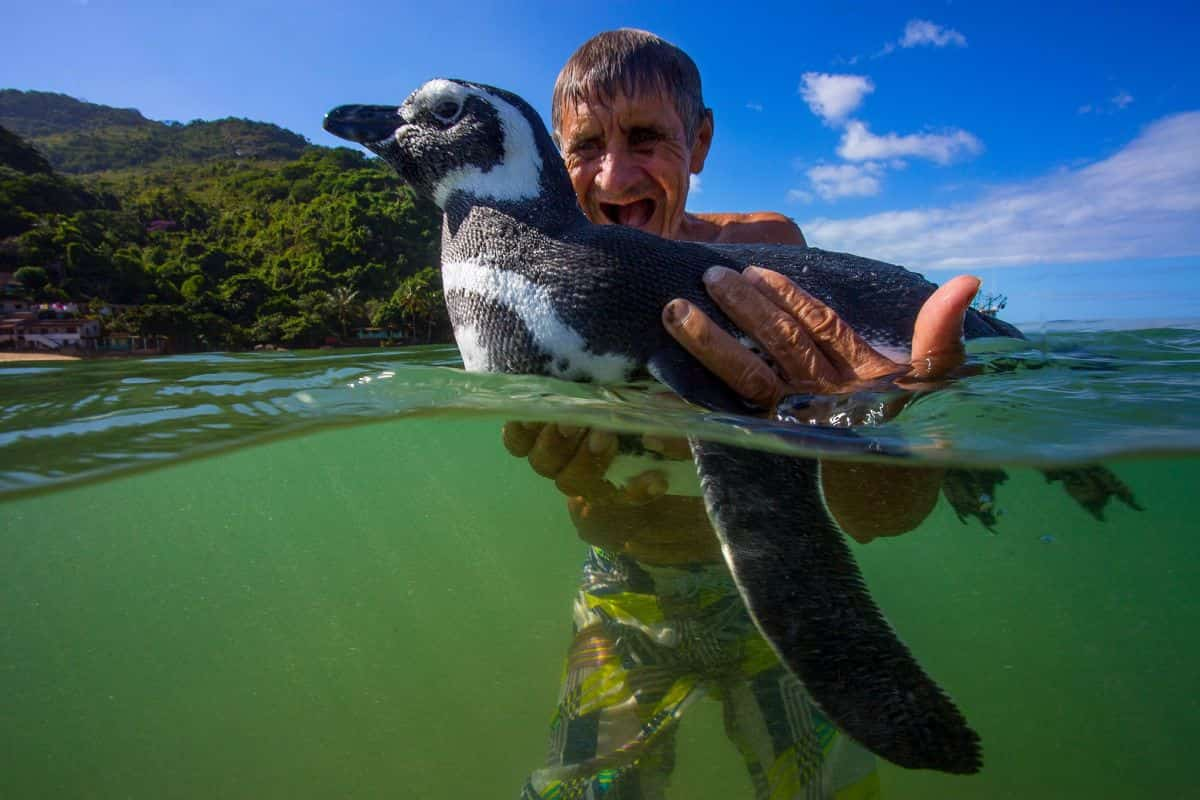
(451, 136)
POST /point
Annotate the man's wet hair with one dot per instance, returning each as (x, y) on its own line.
(630, 62)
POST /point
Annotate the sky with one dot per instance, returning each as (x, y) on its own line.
(1053, 149)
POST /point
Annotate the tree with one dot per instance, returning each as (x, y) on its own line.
(419, 298)
(34, 279)
(214, 248)
(305, 325)
(192, 288)
(343, 303)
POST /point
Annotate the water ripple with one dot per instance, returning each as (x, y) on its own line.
(1065, 397)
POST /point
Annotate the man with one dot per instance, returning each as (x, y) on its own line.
(658, 622)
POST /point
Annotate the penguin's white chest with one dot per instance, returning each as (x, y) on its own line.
(570, 356)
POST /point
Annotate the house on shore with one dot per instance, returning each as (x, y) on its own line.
(27, 324)
(377, 337)
(23, 330)
(116, 342)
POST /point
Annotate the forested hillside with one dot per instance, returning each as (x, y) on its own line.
(218, 234)
(79, 137)
(30, 114)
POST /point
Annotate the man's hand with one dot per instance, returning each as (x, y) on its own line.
(576, 459)
(636, 519)
(671, 530)
(813, 349)
(816, 351)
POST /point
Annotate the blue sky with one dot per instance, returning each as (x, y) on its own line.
(1051, 148)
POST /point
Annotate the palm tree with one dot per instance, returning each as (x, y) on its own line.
(342, 303)
(418, 297)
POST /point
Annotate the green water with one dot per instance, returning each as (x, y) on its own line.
(325, 609)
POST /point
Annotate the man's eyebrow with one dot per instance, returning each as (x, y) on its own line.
(650, 128)
(582, 138)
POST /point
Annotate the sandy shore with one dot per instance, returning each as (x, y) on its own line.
(4, 357)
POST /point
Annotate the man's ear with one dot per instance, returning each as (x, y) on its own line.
(704, 135)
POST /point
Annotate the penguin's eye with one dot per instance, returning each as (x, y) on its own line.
(446, 111)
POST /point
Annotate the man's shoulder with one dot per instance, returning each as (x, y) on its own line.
(755, 227)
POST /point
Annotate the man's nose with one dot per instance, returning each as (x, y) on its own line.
(617, 174)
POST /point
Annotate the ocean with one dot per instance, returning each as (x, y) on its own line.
(320, 574)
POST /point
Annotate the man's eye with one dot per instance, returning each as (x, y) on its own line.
(586, 149)
(643, 138)
(446, 110)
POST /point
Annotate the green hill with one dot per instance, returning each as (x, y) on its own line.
(220, 235)
(78, 137)
(17, 154)
(33, 114)
(30, 190)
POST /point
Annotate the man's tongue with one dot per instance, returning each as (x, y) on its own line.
(635, 215)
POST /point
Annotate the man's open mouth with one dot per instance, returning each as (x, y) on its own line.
(635, 214)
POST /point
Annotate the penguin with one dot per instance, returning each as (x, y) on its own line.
(532, 286)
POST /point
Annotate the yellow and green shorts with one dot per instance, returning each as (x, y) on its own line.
(650, 641)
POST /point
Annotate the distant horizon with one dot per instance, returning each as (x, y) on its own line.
(1049, 150)
(1107, 325)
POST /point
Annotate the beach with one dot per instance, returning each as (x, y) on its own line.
(6, 357)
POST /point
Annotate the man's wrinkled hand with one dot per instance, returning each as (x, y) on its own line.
(814, 350)
(637, 519)
(671, 530)
(576, 459)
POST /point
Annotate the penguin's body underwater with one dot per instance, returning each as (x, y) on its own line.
(533, 287)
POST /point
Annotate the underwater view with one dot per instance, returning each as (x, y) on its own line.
(267, 534)
(320, 573)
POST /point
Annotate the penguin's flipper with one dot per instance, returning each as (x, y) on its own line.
(804, 591)
(807, 596)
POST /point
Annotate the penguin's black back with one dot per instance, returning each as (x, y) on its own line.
(879, 301)
(610, 283)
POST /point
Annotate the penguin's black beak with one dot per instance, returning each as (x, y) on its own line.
(363, 124)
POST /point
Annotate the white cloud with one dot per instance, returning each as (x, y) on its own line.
(832, 97)
(754, 106)
(921, 32)
(917, 33)
(859, 144)
(799, 196)
(832, 181)
(1141, 202)
(694, 184)
(1116, 103)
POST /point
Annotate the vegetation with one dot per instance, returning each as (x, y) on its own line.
(219, 235)
(80, 138)
(20, 156)
(32, 114)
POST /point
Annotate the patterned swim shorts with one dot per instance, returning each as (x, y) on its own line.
(650, 641)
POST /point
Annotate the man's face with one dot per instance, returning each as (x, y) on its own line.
(630, 162)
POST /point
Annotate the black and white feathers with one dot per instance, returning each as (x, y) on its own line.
(533, 287)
